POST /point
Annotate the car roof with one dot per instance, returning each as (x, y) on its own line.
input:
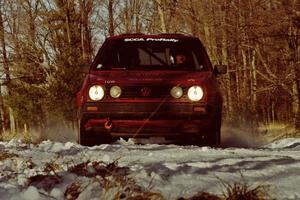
(141, 35)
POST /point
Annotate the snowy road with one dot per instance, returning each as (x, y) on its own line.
(174, 171)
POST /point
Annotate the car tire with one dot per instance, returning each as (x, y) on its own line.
(214, 135)
(83, 136)
(91, 138)
(81, 133)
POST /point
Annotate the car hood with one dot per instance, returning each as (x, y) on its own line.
(148, 76)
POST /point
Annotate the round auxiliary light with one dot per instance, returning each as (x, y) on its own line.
(115, 91)
(176, 92)
(96, 92)
(195, 93)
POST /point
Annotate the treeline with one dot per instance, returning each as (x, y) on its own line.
(45, 44)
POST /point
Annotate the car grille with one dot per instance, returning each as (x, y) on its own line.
(145, 91)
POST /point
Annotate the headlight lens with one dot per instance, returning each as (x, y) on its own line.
(96, 92)
(195, 93)
(115, 91)
(176, 92)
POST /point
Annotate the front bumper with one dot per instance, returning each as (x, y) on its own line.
(147, 119)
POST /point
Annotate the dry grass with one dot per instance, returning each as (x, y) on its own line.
(46, 181)
(31, 137)
(7, 136)
(51, 168)
(117, 188)
(125, 188)
(73, 191)
(5, 155)
(275, 131)
(203, 196)
(117, 185)
(115, 182)
(95, 168)
(236, 191)
(243, 191)
(30, 164)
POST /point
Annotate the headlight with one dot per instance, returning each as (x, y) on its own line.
(176, 92)
(195, 93)
(96, 92)
(115, 91)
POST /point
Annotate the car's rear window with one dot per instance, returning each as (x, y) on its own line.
(155, 54)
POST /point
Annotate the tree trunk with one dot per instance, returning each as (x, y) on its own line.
(137, 17)
(12, 121)
(3, 44)
(294, 45)
(161, 16)
(86, 47)
(194, 25)
(2, 113)
(68, 28)
(126, 17)
(111, 28)
(244, 81)
(273, 112)
(224, 60)
(83, 29)
(296, 96)
(253, 82)
(210, 37)
(6, 71)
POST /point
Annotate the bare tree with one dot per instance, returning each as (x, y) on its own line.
(111, 29)
(5, 67)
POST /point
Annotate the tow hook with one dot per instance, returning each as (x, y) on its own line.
(108, 124)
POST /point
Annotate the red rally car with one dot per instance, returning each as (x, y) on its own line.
(151, 86)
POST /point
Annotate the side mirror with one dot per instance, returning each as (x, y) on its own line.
(220, 69)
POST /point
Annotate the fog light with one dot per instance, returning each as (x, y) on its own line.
(176, 92)
(115, 91)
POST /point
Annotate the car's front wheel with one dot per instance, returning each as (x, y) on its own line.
(92, 137)
(83, 137)
(214, 135)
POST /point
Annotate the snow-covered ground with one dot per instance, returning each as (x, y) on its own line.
(174, 171)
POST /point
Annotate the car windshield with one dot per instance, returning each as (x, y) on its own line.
(167, 54)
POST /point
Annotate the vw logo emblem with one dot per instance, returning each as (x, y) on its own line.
(145, 92)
